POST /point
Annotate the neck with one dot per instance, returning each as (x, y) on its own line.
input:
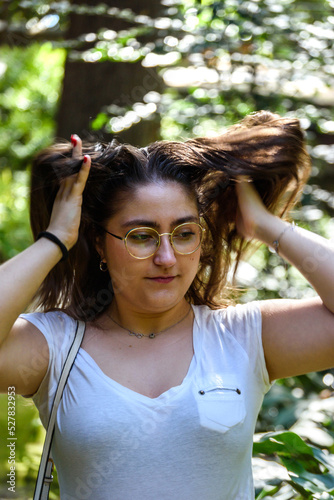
(147, 322)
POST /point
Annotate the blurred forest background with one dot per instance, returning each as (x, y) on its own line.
(173, 69)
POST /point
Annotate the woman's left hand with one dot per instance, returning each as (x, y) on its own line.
(252, 215)
(297, 334)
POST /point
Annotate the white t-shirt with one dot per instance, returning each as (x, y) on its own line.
(193, 442)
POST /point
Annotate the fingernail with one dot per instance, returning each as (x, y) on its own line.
(73, 141)
(85, 160)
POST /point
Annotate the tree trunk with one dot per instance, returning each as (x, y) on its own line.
(88, 87)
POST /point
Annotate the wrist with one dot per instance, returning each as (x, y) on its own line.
(277, 241)
(64, 237)
(271, 229)
(57, 241)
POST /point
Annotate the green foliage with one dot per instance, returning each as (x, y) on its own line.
(15, 233)
(311, 470)
(29, 438)
(30, 79)
(222, 60)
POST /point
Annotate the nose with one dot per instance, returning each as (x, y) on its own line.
(165, 255)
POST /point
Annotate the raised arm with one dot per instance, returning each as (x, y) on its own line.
(298, 335)
(20, 279)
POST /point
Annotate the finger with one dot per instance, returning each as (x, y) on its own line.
(68, 185)
(75, 183)
(243, 178)
(61, 188)
(82, 176)
(247, 189)
(77, 146)
(65, 186)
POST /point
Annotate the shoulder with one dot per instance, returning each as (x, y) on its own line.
(59, 330)
(238, 324)
(232, 317)
(57, 327)
(235, 332)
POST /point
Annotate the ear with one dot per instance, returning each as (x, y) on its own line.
(99, 245)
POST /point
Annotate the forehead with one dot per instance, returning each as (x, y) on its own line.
(163, 202)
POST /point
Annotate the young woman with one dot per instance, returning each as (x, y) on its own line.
(164, 394)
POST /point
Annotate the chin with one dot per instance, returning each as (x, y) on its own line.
(159, 304)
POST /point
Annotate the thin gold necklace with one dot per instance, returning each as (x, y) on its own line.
(150, 335)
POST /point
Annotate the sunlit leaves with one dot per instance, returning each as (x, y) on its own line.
(311, 470)
(14, 223)
(260, 48)
(30, 81)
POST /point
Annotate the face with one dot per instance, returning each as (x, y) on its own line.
(162, 206)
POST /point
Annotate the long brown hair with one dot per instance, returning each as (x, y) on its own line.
(267, 148)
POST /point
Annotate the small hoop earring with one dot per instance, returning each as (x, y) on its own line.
(103, 266)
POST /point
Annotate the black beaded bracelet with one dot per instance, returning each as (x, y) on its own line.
(52, 237)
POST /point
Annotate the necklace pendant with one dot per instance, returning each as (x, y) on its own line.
(138, 335)
(150, 335)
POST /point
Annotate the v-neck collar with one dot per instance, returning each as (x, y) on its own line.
(167, 395)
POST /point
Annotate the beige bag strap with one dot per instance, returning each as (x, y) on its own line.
(44, 477)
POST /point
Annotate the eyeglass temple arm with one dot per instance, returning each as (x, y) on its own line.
(111, 234)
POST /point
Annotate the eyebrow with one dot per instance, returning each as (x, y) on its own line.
(150, 223)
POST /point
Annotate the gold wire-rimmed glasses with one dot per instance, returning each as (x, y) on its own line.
(143, 242)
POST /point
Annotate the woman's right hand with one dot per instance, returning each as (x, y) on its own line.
(24, 354)
(66, 211)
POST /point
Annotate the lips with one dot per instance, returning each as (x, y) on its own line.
(162, 279)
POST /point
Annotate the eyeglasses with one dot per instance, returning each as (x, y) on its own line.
(143, 242)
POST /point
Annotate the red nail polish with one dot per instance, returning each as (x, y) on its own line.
(73, 141)
(85, 159)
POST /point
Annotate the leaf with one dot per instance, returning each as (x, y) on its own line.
(283, 442)
(99, 122)
(302, 461)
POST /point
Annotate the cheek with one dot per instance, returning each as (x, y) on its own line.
(122, 277)
(117, 256)
(195, 257)
(119, 266)
(193, 264)
(125, 271)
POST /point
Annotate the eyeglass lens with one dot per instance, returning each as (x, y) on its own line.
(143, 242)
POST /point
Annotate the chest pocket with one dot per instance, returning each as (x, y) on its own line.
(220, 403)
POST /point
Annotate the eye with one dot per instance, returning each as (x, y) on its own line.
(141, 237)
(184, 234)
